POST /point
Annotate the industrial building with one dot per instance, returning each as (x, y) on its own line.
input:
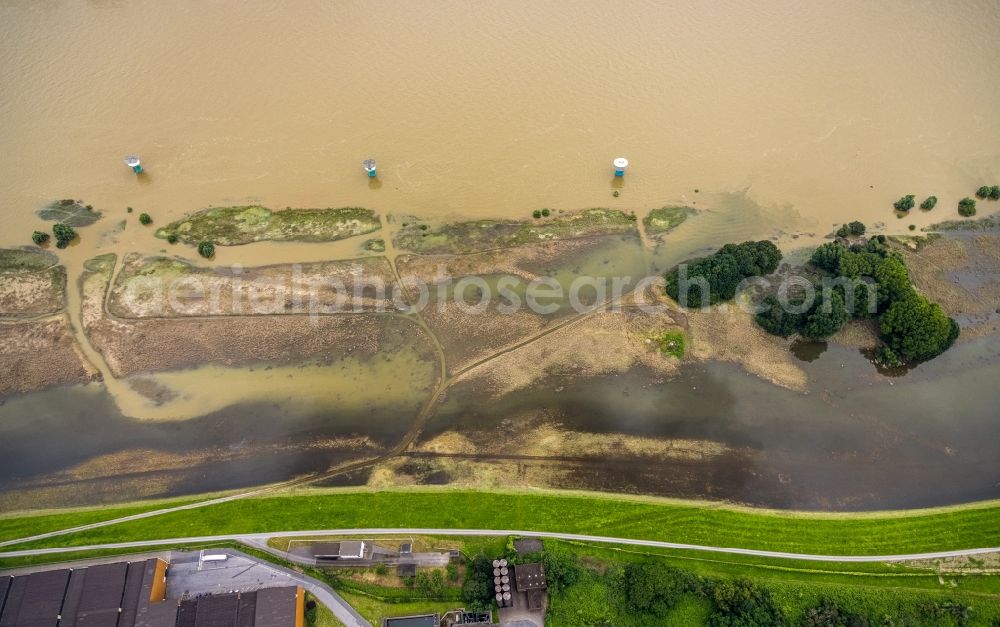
(133, 594)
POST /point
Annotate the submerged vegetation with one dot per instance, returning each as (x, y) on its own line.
(479, 235)
(232, 226)
(714, 279)
(64, 234)
(665, 219)
(71, 212)
(905, 203)
(967, 207)
(855, 229)
(986, 191)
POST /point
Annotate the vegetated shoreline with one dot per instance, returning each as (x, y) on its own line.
(975, 525)
(621, 222)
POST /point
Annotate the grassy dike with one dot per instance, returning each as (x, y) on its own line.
(970, 526)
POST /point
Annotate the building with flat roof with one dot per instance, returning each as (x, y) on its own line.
(133, 594)
(424, 620)
(344, 550)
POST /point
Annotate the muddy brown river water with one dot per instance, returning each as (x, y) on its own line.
(773, 117)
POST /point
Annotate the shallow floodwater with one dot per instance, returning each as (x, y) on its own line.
(828, 111)
(856, 440)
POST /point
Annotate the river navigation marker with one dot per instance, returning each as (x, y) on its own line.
(620, 164)
(132, 161)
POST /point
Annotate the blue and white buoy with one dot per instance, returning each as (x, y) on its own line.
(620, 164)
(132, 161)
(370, 168)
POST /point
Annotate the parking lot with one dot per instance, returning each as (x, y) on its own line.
(190, 576)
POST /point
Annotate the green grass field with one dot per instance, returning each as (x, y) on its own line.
(970, 526)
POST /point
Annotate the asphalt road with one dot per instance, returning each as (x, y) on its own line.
(255, 539)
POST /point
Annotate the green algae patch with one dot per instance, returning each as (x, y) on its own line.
(671, 343)
(374, 246)
(666, 219)
(479, 235)
(233, 226)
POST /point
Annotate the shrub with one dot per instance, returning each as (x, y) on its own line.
(39, 237)
(64, 234)
(172, 238)
(829, 614)
(984, 191)
(128, 209)
(905, 203)
(912, 227)
(826, 317)
(852, 228)
(655, 589)
(381, 569)
(206, 250)
(145, 219)
(774, 318)
(615, 193)
(545, 213)
(967, 207)
(452, 570)
(562, 568)
(827, 256)
(929, 203)
(431, 584)
(536, 214)
(743, 602)
(995, 192)
(477, 589)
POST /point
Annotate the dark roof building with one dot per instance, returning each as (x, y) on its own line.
(529, 577)
(425, 620)
(133, 594)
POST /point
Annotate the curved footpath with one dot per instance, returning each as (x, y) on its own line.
(255, 539)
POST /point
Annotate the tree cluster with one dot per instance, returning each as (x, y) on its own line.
(655, 589)
(912, 327)
(716, 278)
(477, 589)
